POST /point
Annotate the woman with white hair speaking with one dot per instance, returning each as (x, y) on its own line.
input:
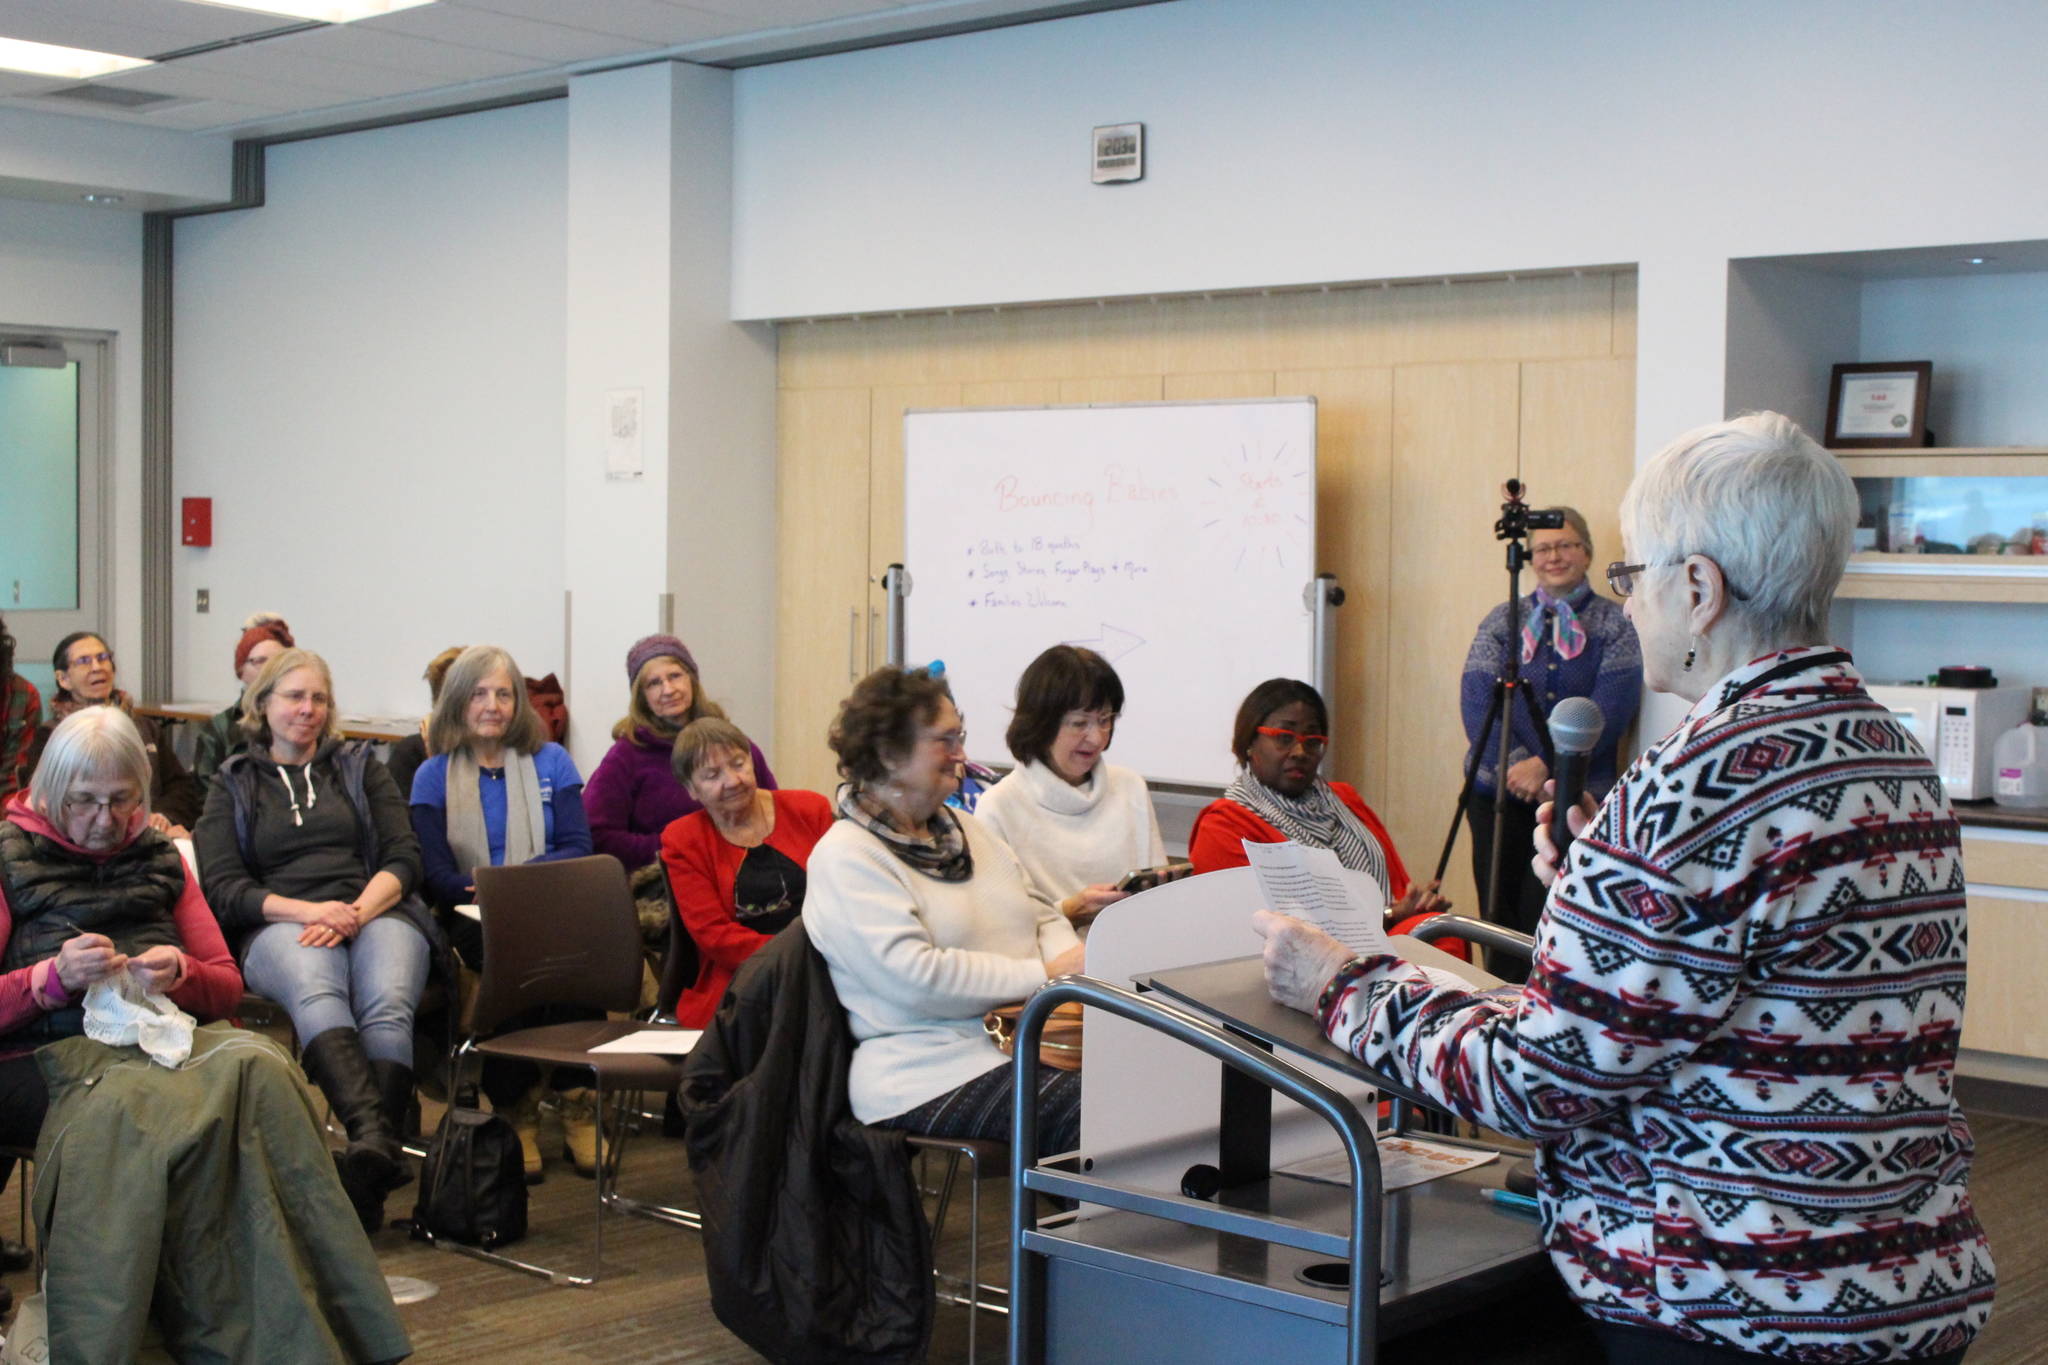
(1736, 1045)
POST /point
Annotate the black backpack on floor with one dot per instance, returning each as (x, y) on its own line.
(473, 1181)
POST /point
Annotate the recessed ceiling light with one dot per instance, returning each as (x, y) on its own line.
(324, 11)
(72, 63)
(1977, 260)
(101, 198)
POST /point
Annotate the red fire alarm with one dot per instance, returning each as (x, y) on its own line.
(198, 521)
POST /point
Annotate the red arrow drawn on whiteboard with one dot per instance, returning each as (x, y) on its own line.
(1114, 642)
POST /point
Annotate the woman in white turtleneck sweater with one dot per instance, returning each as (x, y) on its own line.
(1075, 822)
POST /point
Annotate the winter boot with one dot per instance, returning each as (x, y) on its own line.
(579, 1129)
(394, 1094)
(335, 1062)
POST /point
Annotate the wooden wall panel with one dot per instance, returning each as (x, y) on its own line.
(1354, 482)
(2008, 961)
(1191, 388)
(1578, 438)
(820, 599)
(1010, 393)
(1134, 388)
(1456, 428)
(1428, 396)
(885, 469)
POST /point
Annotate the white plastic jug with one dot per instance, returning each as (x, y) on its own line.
(2019, 767)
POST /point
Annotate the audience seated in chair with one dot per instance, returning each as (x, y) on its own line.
(497, 793)
(143, 1168)
(309, 862)
(84, 665)
(736, 867)
(928, 921)
(264, 637)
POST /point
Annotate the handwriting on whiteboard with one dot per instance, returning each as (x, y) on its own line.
(1027, 572)
(1013, 494)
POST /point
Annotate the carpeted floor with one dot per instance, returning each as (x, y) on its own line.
(652, 1304)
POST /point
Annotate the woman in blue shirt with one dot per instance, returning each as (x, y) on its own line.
(498, 792)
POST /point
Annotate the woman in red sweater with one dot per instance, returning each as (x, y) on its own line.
(736, 867)
(1281, 734)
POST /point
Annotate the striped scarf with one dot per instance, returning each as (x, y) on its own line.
(1317, 819)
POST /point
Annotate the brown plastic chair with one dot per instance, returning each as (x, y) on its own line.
(565, 933)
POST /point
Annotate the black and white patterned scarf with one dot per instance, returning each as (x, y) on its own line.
(944, 857)
(1319, 820)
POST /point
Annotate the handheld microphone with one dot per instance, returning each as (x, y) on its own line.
(1575, 728)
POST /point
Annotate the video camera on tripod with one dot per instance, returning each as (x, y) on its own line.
(1517, 520)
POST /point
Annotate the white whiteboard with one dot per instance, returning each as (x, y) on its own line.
(1173, 538)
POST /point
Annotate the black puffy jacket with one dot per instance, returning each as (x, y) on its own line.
(815, 1241)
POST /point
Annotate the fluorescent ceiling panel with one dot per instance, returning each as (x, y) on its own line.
(71, 63)
(325, 11)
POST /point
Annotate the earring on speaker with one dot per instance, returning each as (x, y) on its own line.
(1692, 653)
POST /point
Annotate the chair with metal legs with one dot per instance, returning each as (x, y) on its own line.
(984, 1160)
(564, 934)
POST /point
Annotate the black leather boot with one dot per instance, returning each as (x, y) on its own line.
(401, 1110)
(335, 1062)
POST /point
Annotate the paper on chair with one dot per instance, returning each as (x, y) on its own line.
(670, 1042)
(1309, 884)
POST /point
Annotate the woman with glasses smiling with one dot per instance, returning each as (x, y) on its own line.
(1281, 734)
(927, 921)
(1573, 643)
(1077, 822)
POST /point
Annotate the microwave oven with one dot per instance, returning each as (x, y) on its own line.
(1957, 726)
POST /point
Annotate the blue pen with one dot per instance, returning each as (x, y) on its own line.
(1517, 1203)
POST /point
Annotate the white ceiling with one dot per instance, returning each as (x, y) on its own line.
(446, 53)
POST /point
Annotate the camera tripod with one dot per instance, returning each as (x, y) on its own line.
(1516, 521)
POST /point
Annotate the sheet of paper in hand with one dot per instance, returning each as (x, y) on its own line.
(1309, 884)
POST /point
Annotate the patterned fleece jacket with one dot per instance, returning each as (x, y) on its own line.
(1737, 1046)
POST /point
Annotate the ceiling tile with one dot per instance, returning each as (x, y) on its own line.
(279, 60)
(448, 22)
(204, 115)
(401, 52)
(21, 83)
(175, 23)
(767, 14)
(648, 21)
(183, 78)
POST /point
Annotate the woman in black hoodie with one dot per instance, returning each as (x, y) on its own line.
(308, 859)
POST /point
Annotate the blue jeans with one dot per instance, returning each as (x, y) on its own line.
(369, 984)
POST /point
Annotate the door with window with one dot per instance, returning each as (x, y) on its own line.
(53, 463)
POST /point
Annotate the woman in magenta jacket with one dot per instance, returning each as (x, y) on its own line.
(634, 795)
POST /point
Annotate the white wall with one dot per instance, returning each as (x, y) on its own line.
(1319, 140)
(77, 267)
(1988, 338)
(51, 156)
(368, 383)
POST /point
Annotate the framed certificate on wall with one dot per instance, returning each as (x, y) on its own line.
(1879, 405)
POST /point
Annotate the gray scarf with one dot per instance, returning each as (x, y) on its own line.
(944, 857)
(1318, 819)
(525, 834)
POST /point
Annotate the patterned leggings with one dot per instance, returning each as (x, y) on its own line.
(982, 1109)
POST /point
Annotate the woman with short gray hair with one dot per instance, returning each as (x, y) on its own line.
(88, 889)
(1735, 1047)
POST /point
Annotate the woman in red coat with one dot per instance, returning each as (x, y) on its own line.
(736, 867)
(1281, 734)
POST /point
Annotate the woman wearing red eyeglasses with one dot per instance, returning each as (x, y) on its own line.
(1281, 734)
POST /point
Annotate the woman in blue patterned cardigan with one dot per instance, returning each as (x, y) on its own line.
(1573, 643)
(1736, 1048)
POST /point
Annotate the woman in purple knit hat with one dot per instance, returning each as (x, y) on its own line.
(633, 795)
